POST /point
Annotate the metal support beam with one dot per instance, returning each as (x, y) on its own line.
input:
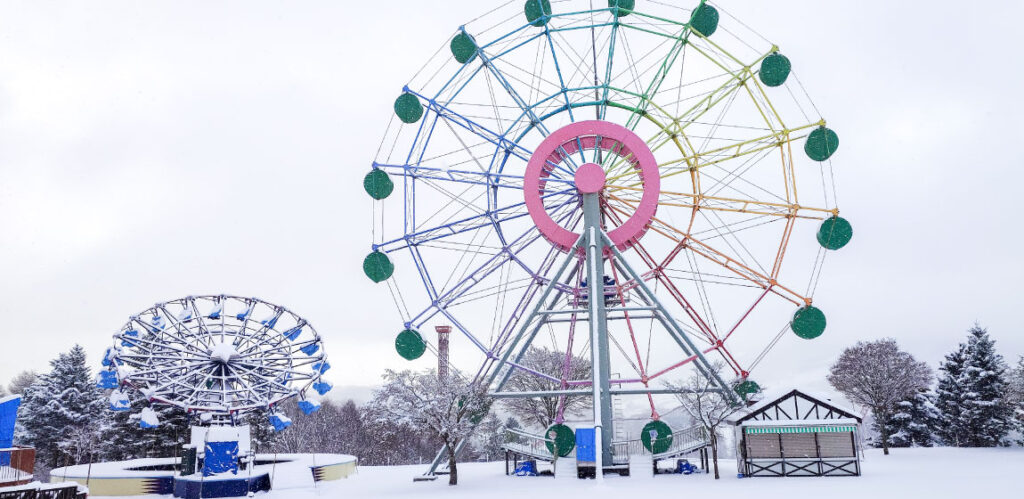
(613, 391)
(600, 355)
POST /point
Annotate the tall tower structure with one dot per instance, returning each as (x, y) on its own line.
(442, 351)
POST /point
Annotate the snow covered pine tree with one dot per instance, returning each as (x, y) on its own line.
(913, 424)
(951, 427)
(1015, 396)
(991, 416)
(64, 415)
(973, 394)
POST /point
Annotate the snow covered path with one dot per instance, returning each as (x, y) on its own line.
(907, 473)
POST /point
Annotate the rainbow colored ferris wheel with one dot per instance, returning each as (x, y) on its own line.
(637, 183)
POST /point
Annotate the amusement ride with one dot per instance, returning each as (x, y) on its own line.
(662, 157)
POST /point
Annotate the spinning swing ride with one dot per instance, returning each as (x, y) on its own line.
(216, 357)
(664, 159)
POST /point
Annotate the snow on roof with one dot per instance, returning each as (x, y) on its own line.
(801, 422)
(772, 396)
(4, 400)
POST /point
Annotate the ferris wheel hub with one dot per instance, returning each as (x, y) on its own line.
(223, 352)
(610, 144)
(590, 178)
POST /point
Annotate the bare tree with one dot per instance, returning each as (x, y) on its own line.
(543, 411)
(878, 375)
(707, 406)
(20, 382)
(450, 409)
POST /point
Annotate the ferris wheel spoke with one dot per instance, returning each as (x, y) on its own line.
(751, 206)
(558, 70)
(507, 256)
(659, 77)
(158, 369)
(581, 68)
(243, 380)
(699, 248)
(177, 326)
(454, 117)
(512, 93)
(724, 93)
(476, 222)
(657, 273)
(156, 345)
(486, 179)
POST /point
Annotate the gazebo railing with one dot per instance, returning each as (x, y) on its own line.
(17, 464)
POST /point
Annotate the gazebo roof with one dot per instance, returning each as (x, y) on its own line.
(795, 406)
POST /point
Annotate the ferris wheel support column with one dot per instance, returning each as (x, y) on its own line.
(598, 320)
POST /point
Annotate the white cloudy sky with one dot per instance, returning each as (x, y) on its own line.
(151, 150)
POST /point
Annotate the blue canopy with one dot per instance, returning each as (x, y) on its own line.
(321, 367)
(131, 333)
(280, 422)
(293, 333)
(107, 380)
(270, 322)
(322, 387)
(309, 406)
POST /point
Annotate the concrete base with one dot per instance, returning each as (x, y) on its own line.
(641, 466)
(565, 468)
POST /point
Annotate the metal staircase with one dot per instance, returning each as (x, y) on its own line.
(685, 441)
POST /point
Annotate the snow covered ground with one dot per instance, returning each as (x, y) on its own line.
(906, 473)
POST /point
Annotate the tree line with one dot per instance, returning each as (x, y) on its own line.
(976, 400)
(66, 418)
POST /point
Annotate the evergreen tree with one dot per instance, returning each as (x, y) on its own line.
(1015, 395)
(261, 432)
(972, 395)
(989, 417)
(951, 426)
(64, 414)
(351, 433)
(488, 438)
(511, 437)
(124, 439)
(914, 421)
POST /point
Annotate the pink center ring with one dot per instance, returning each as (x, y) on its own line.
(590, 178)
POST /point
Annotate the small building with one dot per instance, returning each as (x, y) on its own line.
(16, 462)
(797, 435)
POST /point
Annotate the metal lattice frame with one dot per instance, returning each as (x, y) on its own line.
(720, 109)
(218, 354)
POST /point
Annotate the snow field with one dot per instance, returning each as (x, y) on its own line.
(937, 473)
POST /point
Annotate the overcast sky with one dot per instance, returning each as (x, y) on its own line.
(152, 150)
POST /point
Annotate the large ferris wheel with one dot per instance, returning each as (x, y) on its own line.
(664, 158)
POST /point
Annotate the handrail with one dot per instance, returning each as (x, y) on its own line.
(17, 464)
(683, 441)
(527, 444)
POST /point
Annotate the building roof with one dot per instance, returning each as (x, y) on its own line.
(794, 406)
